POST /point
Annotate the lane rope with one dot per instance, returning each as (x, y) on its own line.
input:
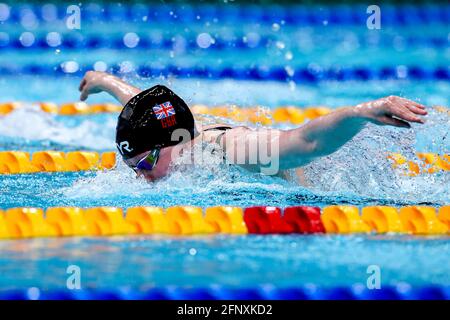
(257, 73)
(21, 162)
(147, 41)
(253, 114)
(359, 291)
(19, 223)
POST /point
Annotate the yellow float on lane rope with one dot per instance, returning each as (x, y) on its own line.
(68, 221)
(148, 220)
(4, 234)
(421, 220)
(343, 219)
(27, 223)
(107, 221)
(226, 220)
(74, 108)
(382, 219)
(444, 216)
(16, 162)
(51, 161)
(82, 160)
(187, 220)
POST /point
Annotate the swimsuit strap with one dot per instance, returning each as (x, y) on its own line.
(219, 128)
(219, 136)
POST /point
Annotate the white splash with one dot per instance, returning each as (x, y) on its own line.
(30, 123)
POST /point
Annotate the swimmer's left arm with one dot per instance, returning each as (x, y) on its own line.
(325, 135)
(96, 82)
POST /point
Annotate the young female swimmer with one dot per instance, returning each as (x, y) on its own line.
(151, 118)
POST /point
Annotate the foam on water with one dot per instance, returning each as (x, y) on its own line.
(31, 124)
(208, 184)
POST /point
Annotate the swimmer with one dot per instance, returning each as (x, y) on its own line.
(148, 126)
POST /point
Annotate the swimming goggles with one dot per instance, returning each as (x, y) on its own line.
(148, 162)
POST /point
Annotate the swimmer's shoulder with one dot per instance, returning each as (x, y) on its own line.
(217, 132)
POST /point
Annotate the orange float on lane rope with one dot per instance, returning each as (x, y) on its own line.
(16, 162)
(187, 220)
(49, 107)
(82, 160)
(4, 234)
(28, 222)
(289, 114)
(147, 220)
(105, 108)
(412, 168)
(226, 220)
(106, 221)
(430, 163)
(67, 221)
(108, 160)
(382, 219)
(74, 108)
(444, 216)
(315, 112)
(444, 162)
(421, 220)
(343, 219)
(50, 161)
(8, 107)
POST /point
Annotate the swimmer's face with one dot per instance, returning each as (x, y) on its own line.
(161, 169)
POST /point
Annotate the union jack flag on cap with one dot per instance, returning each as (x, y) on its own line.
(163, 110)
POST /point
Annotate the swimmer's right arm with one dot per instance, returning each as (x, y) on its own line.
(96, 82)
(325, 135)
(320, 137)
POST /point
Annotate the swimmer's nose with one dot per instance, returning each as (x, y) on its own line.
(139, 175)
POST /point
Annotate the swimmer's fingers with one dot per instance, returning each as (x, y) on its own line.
(85, 91)
(411, 103)
(400, 111)
(82, 84)
(395, 122)
(408, 116)
(412, 106)
(417, 110)
(84, 95)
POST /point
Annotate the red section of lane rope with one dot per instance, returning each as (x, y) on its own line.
(304, 219)
(265, 220)
(269, 220)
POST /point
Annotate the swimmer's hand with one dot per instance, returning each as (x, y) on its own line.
(93, 82)
(392, 110)
(96, 81)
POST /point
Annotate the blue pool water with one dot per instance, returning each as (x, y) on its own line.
(358, 174)
(284, 261)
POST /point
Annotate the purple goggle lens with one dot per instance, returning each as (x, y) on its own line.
(149, 161)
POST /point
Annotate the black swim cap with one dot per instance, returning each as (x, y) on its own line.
(148, 120)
